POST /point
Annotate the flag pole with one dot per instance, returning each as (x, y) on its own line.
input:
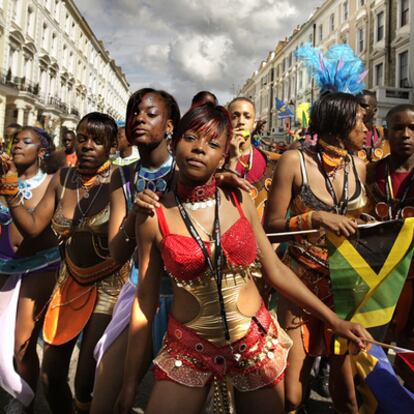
(389, 346)
(314, 231)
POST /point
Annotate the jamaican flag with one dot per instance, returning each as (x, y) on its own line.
(368, 270)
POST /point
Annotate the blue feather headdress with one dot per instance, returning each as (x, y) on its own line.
(338, 70)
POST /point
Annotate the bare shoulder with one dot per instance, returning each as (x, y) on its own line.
(289, 156)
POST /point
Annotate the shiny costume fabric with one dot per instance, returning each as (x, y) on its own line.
(256, 360)
(195, 352)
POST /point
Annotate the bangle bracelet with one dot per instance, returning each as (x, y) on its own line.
(127, 237)
(301, 222)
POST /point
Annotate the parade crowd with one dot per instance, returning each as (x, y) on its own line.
(144, 242)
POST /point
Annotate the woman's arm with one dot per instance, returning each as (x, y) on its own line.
(31, 224)
(285, 178)
(290, 286)
(143, 310)
(121, 230)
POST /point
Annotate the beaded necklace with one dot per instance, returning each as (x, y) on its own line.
(26, 186)
(153, 179)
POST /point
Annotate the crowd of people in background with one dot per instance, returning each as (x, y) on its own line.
(144, 242)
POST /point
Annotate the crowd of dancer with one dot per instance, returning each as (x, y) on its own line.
(156, 255)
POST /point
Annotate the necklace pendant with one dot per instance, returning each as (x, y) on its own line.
(86, 195)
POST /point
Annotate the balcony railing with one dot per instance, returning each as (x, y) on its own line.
(19, 83)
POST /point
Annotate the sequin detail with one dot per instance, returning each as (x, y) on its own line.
(260, 363)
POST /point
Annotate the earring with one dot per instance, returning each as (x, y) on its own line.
(168, 136)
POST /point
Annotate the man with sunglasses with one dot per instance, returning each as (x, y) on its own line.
(391, 181)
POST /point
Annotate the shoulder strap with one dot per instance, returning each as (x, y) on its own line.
(162, 222)
(65, 182)
(303, 168)
(236, 201)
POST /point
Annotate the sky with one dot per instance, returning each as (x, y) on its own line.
(184, 46)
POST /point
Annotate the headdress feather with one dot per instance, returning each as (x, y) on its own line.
(338, 70)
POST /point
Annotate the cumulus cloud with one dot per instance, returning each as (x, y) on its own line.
(185, 46)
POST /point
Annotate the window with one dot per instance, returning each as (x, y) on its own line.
(320, 32)
(57, 10)
(345, 10)
(345, 38)
(300, 79)
(311, 38)
(332, 22)
(30, 22)
(16, 15)
(54, 44)
(403, 69)
(379, 74)
(380, 26)
(45, 34)
(360, 40)
(290, 59)
(405, 11)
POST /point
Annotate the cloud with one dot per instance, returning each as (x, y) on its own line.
(185, 46)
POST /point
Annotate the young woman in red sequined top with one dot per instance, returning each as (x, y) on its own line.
(212, 245)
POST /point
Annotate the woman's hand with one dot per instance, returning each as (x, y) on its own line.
(352, 331)
(125, 400)
(146, 202)
(229, 179)
(341, 225)
(6, 164)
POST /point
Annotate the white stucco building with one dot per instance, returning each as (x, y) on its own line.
(53, 70)
(379, 32)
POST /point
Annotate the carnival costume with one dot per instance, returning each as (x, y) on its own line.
(220, 343)
(135, 179)
(82, 291)
(338, 70)
(16, 268)
(308, 256)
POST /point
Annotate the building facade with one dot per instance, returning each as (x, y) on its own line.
(377, 30)
(53, 70)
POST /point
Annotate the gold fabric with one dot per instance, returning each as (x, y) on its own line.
(208, 323)
(97, 224)
(108, 289)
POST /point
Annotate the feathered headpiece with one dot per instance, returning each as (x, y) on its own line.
(338, 70)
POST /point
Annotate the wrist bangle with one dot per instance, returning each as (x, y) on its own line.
(127, 237)
(301, 222)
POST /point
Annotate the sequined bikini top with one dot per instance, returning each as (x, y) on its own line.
(65, 227)
(306, 200)
(184, 260)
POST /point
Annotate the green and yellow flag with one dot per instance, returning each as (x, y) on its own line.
(369, 269)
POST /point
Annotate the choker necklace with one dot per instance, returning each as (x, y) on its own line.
(153, 179)
(26, 186)
(332, 157)
(88, 178)
(200, 196)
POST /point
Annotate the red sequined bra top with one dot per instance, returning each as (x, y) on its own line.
(185, 261)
